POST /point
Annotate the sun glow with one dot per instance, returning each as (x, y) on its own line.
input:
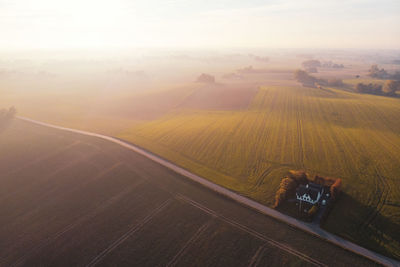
(73, 23)
(180, 23)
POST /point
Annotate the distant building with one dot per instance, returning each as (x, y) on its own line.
(309, 193)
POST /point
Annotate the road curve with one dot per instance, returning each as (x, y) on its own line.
(312, 229)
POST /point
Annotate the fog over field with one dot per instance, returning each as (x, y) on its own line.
(239, 118)
(146, 83)
(240, 93)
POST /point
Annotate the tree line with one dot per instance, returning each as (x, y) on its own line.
(388, 89)
(375, 72)
(310, 81)
(313, 65)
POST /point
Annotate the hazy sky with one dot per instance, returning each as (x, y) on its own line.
(203, 23)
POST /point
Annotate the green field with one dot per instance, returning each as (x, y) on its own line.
(324, 131)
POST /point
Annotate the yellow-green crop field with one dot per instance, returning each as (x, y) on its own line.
(324, 131)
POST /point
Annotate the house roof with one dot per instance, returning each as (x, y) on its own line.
(315, 186)
(312, 190)
(301, 190)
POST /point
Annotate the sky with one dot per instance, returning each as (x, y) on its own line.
(60, 24)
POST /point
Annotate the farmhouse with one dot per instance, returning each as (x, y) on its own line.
(309, 193)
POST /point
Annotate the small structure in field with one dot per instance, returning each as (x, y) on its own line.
(310, 193)
(313, 198)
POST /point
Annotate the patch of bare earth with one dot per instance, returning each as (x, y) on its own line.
(221, 97)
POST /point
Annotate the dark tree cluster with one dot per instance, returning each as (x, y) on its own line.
(304, 78)
(336, 188)
(330, 64)
(308, 80)
(371, 88)
(389, 89)
(288, 186)
(299, 176)
(312, 63)
(376, 72)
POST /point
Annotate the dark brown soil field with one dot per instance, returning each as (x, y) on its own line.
(73, 200)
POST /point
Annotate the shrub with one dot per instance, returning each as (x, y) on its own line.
(371, 88)
(299, 176)
(313, 210)
(280, 196)
(391, 87)
(304, 78)
(308, 80)
(335, 188)
(286, 187)
(288, 184)
(324, 181)
(319, 180)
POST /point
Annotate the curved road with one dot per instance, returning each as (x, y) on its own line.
(312, 229)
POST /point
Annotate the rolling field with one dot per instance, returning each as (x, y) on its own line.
(73, 200)
(324, 131)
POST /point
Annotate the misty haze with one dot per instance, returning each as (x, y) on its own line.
(199, 133)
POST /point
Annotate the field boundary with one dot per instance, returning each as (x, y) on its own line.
(309, 228)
